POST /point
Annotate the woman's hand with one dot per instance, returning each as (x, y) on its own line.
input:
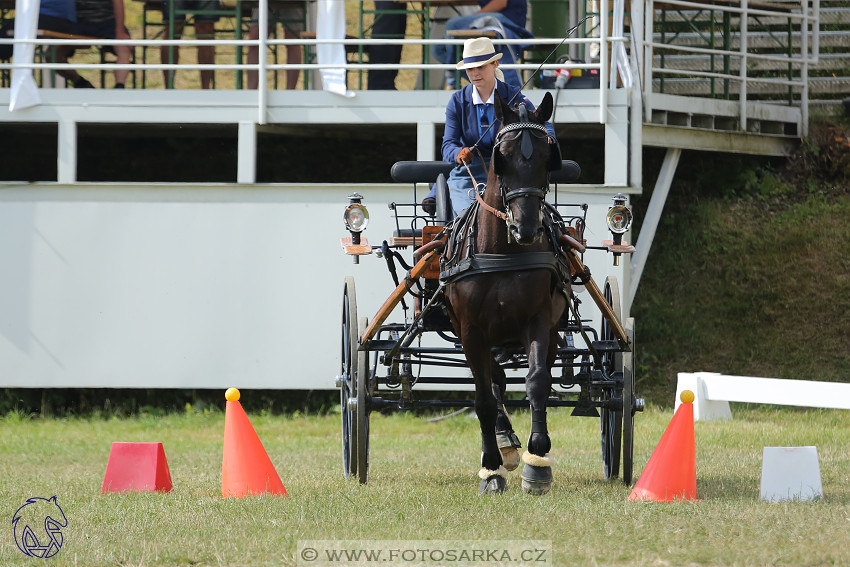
(464, 156)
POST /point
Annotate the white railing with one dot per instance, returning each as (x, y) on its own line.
(803, 14)
(263, 65)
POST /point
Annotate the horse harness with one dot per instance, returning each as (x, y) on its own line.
(461, 261)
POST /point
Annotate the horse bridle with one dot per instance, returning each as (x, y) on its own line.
(525, 128)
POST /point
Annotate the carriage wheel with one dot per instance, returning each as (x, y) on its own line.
(611, 421)
(363, 409)
(346, 378)
(629, 403)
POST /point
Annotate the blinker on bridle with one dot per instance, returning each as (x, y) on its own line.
(526, 148)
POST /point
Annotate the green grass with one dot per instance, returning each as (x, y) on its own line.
(747, 275)
(423, 486)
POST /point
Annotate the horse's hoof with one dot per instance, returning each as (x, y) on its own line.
(536, 474)
(492, 482)
(510, 458)
(493, 485)
(508, 443)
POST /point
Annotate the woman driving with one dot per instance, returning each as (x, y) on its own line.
(471, 125)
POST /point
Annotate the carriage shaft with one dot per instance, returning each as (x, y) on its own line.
(599, 299)
(397, 294)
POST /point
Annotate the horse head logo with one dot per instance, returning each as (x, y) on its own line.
(38, 527)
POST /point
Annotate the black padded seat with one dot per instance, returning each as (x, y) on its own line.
(419, 171)
(427, 171)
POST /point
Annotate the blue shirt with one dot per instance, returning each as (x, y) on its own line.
(516, 10)
(65, 9)
(463, 121)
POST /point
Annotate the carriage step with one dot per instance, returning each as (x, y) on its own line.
(377, 345)
(585, 411)
(606, 346)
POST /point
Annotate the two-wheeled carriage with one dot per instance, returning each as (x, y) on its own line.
(384, 361)
(590, 369)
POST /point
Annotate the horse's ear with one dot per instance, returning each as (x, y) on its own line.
(497, 162)
(544, 111)
(499, 106)
(502, 110)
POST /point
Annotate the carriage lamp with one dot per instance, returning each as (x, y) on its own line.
(619, 220)
(356, 217)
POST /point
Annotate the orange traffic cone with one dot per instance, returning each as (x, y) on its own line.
(246, 467)
(671, 473)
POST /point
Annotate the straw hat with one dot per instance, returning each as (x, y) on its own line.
(478, 52)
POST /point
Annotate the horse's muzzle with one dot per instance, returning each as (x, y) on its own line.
(524, 234)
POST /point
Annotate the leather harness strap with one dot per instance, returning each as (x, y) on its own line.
(478, 198)
(488, 263)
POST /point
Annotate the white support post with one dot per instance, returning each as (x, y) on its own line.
(636, 100)
(653, 215)
(67, 154)
(617, 147)
(804, 72)
(603, 62)
(743, 70)
(246, 168)
(425, 145)
(262, 83)
(635, 138)
(648, 21)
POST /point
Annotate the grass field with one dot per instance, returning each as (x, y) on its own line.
(423, 487)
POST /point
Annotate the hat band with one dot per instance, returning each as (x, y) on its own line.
(479, 58)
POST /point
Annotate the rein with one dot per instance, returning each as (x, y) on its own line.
(481, 202)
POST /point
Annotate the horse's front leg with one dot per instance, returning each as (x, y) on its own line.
(537, 472)
(492, 472)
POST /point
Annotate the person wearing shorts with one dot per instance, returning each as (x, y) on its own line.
(57, 15)
(102, 19)
(292, 16)
(204, 24)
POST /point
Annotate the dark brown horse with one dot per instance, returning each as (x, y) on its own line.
(509, 295)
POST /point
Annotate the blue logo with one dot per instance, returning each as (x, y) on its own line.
(38, 527)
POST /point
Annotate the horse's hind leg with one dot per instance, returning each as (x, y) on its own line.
(506, 439)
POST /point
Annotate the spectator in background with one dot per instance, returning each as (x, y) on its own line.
(387, 26)
(509, 14)
(471, 123)
(102, 19)
(57, 15)
(204, 24)
(292, 16)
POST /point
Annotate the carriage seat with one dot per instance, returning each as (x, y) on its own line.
(436, 172)
(439, 207)
(419, 171)
(427, 171)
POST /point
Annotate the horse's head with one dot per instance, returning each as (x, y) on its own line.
(521, 158)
